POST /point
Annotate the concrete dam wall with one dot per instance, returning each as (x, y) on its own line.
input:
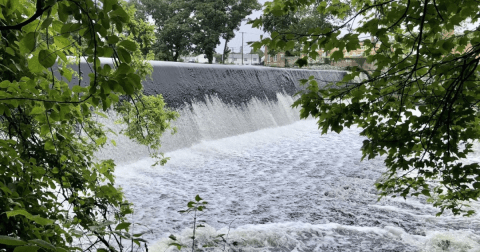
(185, 83)
(217, 101)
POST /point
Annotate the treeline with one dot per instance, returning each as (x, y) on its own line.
(188, 26)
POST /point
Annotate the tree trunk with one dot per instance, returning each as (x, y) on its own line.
(210, 57)
(175, 56)
(209, 51)
(225, 48)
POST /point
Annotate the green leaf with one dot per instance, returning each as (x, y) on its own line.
(128, 87)
(426, 192)
(67, 73)
(140, 240)
(123, 225)
(36, 218)
(43, 244)
(107, 5)
(68, 28)
(47, 22)
(120, 12)
(197, 198)
(62, 12)
(100, 141)
(62, 42)
(124, 69)
(47, 58)
(10, 51)
(7, 240)
(301, 62)
(179, 246)
(44, 129)
(129, 45)
(108, 52)
(28, 42)
(26, 249)
(34, 65)
(79, 89)
(112, 39)
(49, 145)
(59, 249)
(140, 234)
(37, 110)
(337, 55)
(101, 114)
(124, 55)
(5, 84)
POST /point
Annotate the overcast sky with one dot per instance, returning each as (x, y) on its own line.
(251, 34)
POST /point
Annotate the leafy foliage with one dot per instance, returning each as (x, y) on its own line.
(236, 11)
(53, 191)
(294, 23)
(195, 26)
(197, 206)
(141, 31)
(419, 107)
(174, 26)
(259, 52)
(147, 119)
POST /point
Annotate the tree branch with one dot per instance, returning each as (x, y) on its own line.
(39, 12)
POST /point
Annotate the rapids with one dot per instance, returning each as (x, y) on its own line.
(273, 182)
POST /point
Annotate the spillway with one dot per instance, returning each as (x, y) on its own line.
(217, 101)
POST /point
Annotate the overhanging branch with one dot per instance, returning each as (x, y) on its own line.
(39, 12)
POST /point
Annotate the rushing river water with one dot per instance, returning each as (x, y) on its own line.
(286, 188)
(273, 183)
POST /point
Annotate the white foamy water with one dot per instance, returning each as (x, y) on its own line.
(207, 121)
(286, 188)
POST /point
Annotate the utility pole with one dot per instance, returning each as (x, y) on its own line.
(242, 46)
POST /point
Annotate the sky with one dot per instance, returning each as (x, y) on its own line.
(250, 34)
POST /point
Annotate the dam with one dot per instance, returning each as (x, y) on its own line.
(273, 182)
(216, 101)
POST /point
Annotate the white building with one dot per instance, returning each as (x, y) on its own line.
(248, 59)
(201, 58)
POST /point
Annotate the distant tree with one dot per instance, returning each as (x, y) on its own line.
(258, 51)
(236, 11)
(140, 30)
(295, 21)
(209, 20)
(194, 26)
(218, 57)
(217, 19)
(175, 26)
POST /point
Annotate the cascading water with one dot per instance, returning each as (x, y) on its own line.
(216, 101)
(273, 183)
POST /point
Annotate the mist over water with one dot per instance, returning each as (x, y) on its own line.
(274, 183)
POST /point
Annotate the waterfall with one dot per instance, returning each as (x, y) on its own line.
(217, 101)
